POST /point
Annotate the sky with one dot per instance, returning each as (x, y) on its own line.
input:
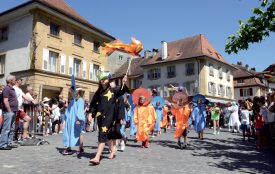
(152, 21)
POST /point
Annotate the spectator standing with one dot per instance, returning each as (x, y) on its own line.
(10, 109)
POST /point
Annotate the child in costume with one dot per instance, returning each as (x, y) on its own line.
(199, 116)
(164, 122)
(74, 122)
(144, 118)
(181, 112)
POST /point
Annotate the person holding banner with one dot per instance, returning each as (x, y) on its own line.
(103, 108)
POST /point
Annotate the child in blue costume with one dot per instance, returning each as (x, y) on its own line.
(159, 113)
(198, 115)
(74, 122)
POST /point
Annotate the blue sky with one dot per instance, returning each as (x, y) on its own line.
(152, 21)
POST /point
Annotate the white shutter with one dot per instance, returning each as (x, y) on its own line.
(71, 65)
(62, 63)
(45, 63)
(91, 70)
(84, 69)
(209, 88)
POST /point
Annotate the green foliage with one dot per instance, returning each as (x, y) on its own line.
(257, 27)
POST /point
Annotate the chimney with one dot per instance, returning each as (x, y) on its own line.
(155, 51)
(164, 53)
(247, 66)
(148, 54)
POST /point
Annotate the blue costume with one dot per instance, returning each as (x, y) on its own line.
(199, 116)
(72, 131)
(159, 113)
(133, 126)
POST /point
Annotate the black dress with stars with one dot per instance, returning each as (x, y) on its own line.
(103, 108)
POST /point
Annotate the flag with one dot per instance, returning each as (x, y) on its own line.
(73, 86)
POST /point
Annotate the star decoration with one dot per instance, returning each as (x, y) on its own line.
(98, 114)
(109, 95)
(104, 129)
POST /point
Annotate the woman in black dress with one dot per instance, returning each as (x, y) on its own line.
(103, 108)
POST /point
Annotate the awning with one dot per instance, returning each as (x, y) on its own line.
(214, 100)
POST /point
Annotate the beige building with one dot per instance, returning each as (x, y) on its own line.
(248, 83)
(192, 63)
(44, 41)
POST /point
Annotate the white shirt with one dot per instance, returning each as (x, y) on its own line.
(271, 115)
(19, 94)
(245, 117)
(55, 112)
(264, 113)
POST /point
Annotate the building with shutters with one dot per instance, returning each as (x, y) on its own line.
(248, 83)
(44, 41)
(190, 62)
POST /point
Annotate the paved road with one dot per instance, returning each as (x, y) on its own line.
(224, 153)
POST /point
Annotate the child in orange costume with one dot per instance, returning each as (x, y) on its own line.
(164, 123)
(181, 113)
(144, 118)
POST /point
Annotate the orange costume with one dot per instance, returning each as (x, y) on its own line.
(164, 122)
(144, 117)
(182, 115)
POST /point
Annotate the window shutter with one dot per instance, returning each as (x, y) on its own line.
(46, 55)
(71, 65)
(214, 88)
(251, 91)
(149, 74)
(241, 92)
(91, 71)
(84, 64)
(62, 63)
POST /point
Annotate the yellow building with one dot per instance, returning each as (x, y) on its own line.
(44, 41)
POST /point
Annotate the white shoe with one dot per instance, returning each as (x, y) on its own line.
(214, 133)
(218, 132)
(122, 146)
(60, 132)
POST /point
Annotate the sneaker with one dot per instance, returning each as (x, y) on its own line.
(218, 132)
(122, 147)
(179, 144)
(83, 132)
(60, 132)
(214, 133)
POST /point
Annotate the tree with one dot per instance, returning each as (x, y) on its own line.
(257, 27)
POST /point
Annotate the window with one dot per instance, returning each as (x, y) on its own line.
(77, 39)
(228, 92)
(137, 83)
(246, 92)
(2, 64)
(190, 87)
(54, 29)
(240, 81)
(228, 75)
(154, 74)
(77, 65)
(4, 33)
(50, 63)
(211, 70)
(62, 63)
(171, 71)
(221, 90)
(120, 57)
(189, 69)
(95, 72)
(220, 73)
(96, 46)
(212, 88)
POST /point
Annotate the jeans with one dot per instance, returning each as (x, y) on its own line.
(123, 131)
(8, 127)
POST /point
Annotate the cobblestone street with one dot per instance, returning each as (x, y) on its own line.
(224, 153)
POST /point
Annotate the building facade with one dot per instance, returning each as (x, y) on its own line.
(248, 83)
(46, 42)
